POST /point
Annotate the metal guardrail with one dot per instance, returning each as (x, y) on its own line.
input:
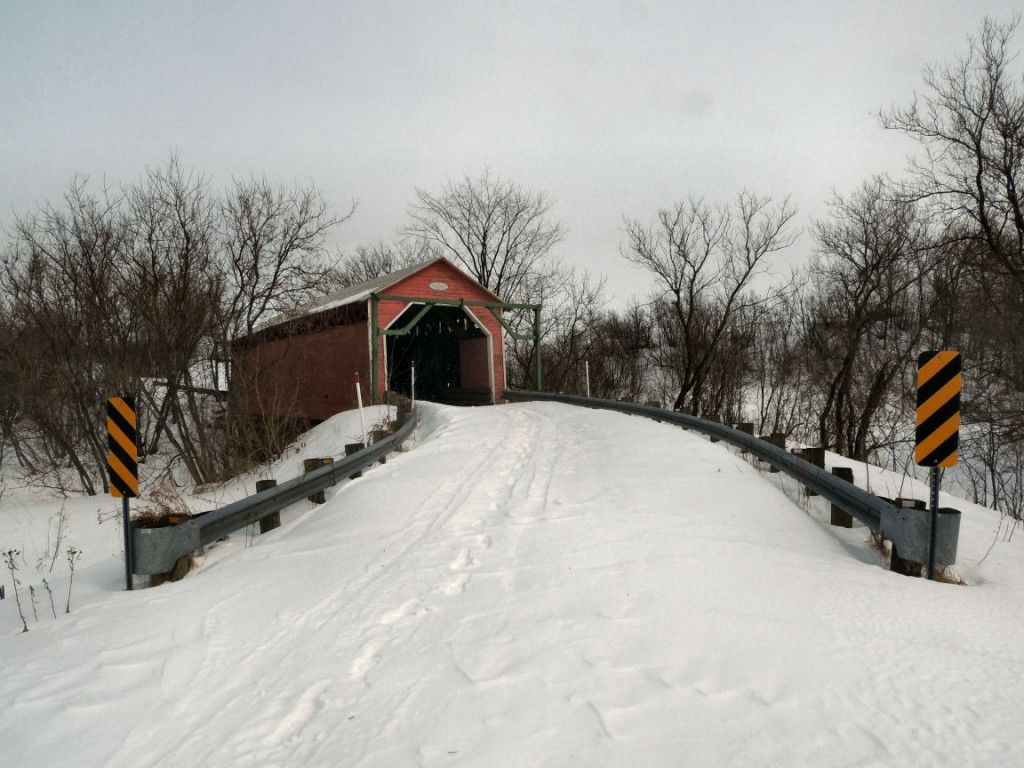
(900, 526)
(156, 550)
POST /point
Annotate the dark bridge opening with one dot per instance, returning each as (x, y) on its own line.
(451, 354)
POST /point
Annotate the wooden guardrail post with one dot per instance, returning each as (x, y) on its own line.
(375, 437)
(840, 517)
(351, 448)
(270, 522)
(778, 439)
(308, 465)
(718, 420)
(748, 428)
(403, 411)
(815, 456)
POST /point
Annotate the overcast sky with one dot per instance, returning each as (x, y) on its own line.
(612, 109)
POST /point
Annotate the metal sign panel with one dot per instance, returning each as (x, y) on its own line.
(938, 409)
(123, 456)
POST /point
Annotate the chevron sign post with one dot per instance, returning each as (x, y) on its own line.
(123, 464)
(938, 423)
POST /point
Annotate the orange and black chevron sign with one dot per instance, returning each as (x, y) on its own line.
(938, 409)
(123, 456)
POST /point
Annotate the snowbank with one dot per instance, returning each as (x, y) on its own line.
(514, 592)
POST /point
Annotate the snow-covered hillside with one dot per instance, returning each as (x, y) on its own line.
(530, 585)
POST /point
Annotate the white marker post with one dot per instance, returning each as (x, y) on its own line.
(586, 371)
(412, 386)
(359, 401)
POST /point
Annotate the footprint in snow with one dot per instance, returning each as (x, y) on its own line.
(462, 561)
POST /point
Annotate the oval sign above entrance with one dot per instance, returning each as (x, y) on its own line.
(438, 285)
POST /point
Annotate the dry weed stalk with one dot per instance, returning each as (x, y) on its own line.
(9, 557)
(73, 554)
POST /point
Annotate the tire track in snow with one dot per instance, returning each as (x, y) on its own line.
(439, 508)
(375, 619)
(458, 510)
(361, 592)
(458, 527)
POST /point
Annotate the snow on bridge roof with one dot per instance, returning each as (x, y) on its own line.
(360, 291)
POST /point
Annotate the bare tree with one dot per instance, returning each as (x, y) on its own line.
(970, 124)
(378, 259)
(129, 293)
(572, 301)
(704, 259)
(59, 290)
(273, 251)
(969, 177)
(865, 314)
(171, 289)
(776, 377)
(620, 355)
(499, 232)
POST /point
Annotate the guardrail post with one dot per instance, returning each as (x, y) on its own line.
(748, 428)
(375, 437)
(403, 411)
(778, 439)
(840, 517)
(718, 420)
(815, 456)
(947, 536)
(351, 448)
(899, 564)
(308, 465)
(270, 522)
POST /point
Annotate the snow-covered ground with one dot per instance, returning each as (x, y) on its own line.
(530, 585)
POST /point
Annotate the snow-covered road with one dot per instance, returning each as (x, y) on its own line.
(536, 585)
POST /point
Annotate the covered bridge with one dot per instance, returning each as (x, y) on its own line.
(431, 315)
